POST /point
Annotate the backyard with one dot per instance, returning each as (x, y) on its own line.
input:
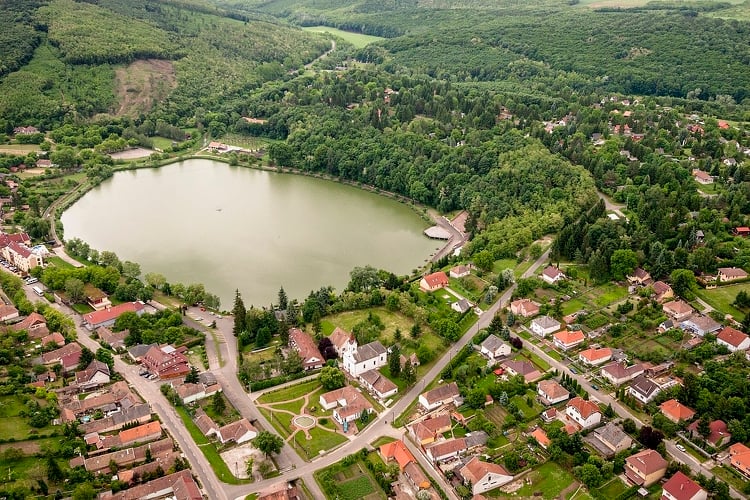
(546, 482)
(721, 298)
(352, 482)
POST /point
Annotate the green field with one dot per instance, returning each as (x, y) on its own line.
(549, 479)
(289, 393)
(721, 298)
(354, 482)
(245, 141)
(357, 39)
(322, 440)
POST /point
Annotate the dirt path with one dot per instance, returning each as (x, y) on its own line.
(322, 56)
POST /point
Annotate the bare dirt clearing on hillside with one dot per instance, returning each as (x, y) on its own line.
(143, 83)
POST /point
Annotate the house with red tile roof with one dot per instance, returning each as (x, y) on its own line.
(280, 491)
(718, 435)
(178, 486)
(541, 437)
(739, 458)
(585, 413)
(378, 384)
(678, 310)
(733, 339)
(140, 434)
(398, 452)
(639, 277)
(676, 411)
(54, 339)
(8, 312)
(594, 357)
(702, 177)
(57, 355)
(347, 403)
(342, 341)
(238, 432)
(741, 231)
(526, 308)
(662, 291)
(551, 392)
(20, 255)
(484, 476)
(567, 339)
(166, 362)
(95, 375)
(731, 274)
(306, 348)
(34, 324)
(434, 281)
(645, 468)
(681, 487)
(552, 275)
(427, 431)
(107, 316)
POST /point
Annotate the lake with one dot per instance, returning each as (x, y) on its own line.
(202, 221)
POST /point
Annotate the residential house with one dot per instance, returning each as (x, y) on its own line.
(434, 281)
(140, 434)
(739, 458)
(718, 435)
(57, 355)
(342, 341)
(107, 317)
(460, 271)
(367, 357)
(524, 368)
(731, 274)
(439, 396)
(484, 476)
(446, 450)
(700, 325)
(29, 130)
(116, 340)
(136, 414)
(280, 491)
(551, 392)
(177, 486)
(733, 339)
(427, 431)
(541, 437)
(96, 298)
(702, 177)
(43, 163)
(475, 440)
(8, 312)
(398, 452)
(205, 423)
(662, 291)
(741, 231)
(34, 324)
(461, 306)
(190, 393)
(124, 457)
(95, 375)
(610, 440)
(53, 338)
(166, 362)
(678, 310)
(493, 348)
(378, 384)
(544, 325)
(237, 432)
(525, 308)
(137, 352)
(416, 476)
(568, 339)
(644, 389)
(595, 357)
(549, 415)
(645, 468)
(347, 404)
(306, 348)
(584, 413)
(639, 277)
(552, 275)
(681, 487)
(676, 411)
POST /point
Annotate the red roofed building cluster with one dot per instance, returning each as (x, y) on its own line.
(166, 362)
(306, 348)
(434, 281)
(107, 317)
(14, 249)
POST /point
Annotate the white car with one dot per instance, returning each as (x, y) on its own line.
(680, 447)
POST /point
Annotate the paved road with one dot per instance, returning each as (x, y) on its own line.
(456, 237)
(610, 206)
(49, 214)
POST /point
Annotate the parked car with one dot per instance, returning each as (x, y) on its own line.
(680, 447)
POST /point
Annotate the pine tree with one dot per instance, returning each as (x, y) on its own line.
(283, 300)
(394, 361)
(239, 313)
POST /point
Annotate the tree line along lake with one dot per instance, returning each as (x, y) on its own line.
(203, 221)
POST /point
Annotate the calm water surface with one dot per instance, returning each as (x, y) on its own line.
(201, 221)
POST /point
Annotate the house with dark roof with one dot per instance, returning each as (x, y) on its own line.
(461, 306)
(116, 340)
(443, 451)
(367, 357)
(619, 373)
(552, 275)
(639, 277)
(733, 339)
(434, 281)
(662, 291)
(237, 432)
(378, 384)
(524, 368)
(645, 468)
(494, 348)
(95, 375)
(609, 440)
(681, 487)
(439, 396)
(137, 351)
(484, 476)
(644, 389)
(306, 348)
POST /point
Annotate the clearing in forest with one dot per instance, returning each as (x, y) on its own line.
(143, 83)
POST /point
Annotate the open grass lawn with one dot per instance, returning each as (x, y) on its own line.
(245, 141)
(529, 412)
(58, 262)
(612, 489)
(543, 365)
(292, 406)
(391, 320)
(471, 287)
(218, 465)
(162, 142)
(503, 264)
(356, 488)
(573, 305)
(321, 440)
(549, 479)
(83, 308)
(730, 477)
(381, 441)
(25, 471)
(289, 393)
(721, 298)
(13, 425)
(195, 356)
(605, 295)
(357, 39)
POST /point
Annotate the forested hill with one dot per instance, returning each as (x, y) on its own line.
(62, 56)
(666, 48)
